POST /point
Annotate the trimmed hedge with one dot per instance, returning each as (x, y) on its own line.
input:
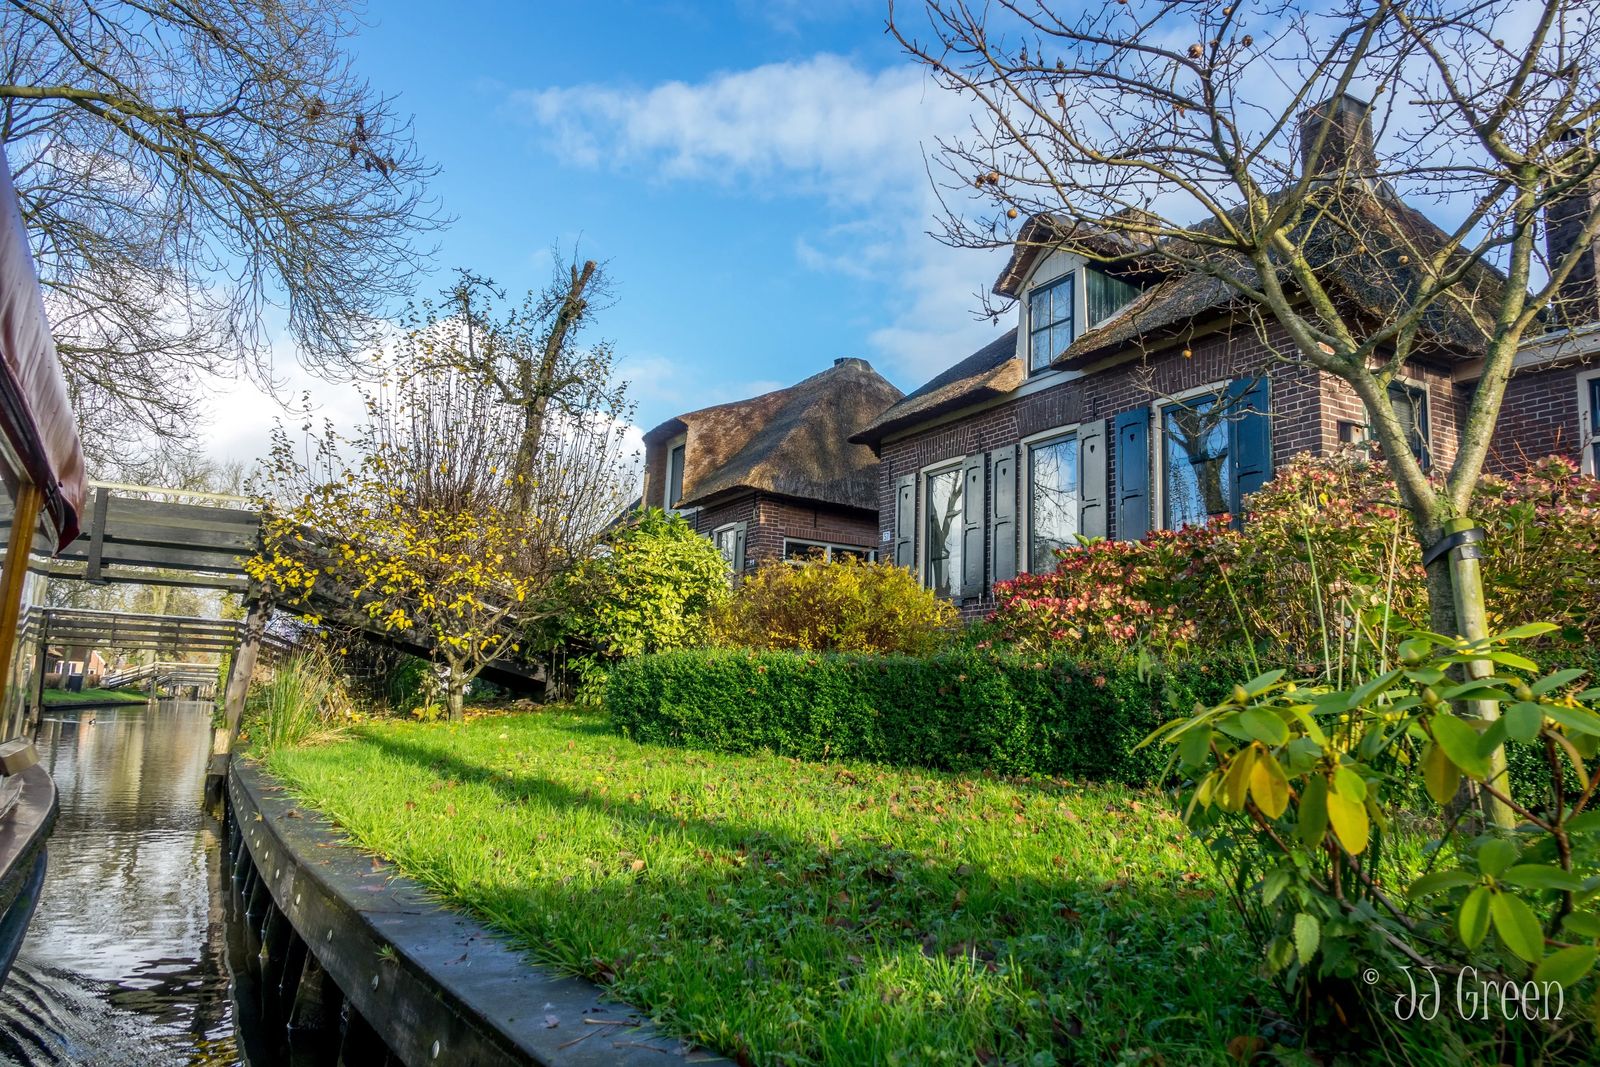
(961, 710)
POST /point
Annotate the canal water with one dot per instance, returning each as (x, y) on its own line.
(126, 961)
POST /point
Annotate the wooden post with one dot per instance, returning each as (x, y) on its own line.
(239, 672)
(41, 664)
(24, 517)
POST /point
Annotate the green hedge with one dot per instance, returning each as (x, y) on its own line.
(961, 710)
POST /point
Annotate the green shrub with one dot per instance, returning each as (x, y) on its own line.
(1334, 813)
(1327, 549)
(841, 606)
(303, 698)
(965, 709)
(652, 589)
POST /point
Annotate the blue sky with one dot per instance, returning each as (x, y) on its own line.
(752, 172)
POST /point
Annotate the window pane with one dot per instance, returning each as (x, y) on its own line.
(1050, 314)
(852, 553)
(1198, 469)
(727, 544)
(674, 476)
(944, 531)
(1041, 350)
(1411, 408)
(804, 550)
(1052, 501)
(1106, 294)
(1594, 420)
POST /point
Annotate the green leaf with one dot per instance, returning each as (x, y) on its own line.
(1542, 876)
(1557, 680)
(1474, 691)
(1264, 726)
(1524, 720)
(1194, 749)
(1579, 719)
(1517, 926)
(1460, 742)
(1512, 659)
(1566, 967)
(1441, 776)
(1262, 682)
(1307, 936)
(1236, 783)
(1349, 820)
(1313, 813)
(1495, 856)
(1362, 695)
(1269, 786)
(1473, 917)
(1583, 923)
(1349, 784)
(1527, 630)
(1415, 649)
(1439, 881)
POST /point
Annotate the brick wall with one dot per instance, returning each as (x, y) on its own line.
(770, 519)
(1305, 407)
(1538, 418)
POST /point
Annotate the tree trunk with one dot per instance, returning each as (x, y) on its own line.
(455, 695)
(1456, 606)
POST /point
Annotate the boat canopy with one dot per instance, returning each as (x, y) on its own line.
(35, 414)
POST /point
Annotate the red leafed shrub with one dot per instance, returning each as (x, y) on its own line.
(1327, 561)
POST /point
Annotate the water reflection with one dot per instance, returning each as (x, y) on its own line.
(125, 960)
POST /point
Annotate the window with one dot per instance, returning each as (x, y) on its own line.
(942, 560)
(1107, 295)
(1215, 450)
(825, 550)
(674, 476)
(1053, 500)
(727, 540)
(1197, 462)
(1410, 403)
(1594, 426)
(1051, 309)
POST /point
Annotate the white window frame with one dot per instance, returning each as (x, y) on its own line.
(1586, 415)
(829, 546)
(680, 441)
(717, 533)
(921, 548)
(1158, 446)
(1025, 497)
(1060, 264)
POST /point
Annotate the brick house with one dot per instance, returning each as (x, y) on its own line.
(777, 476)
(1126, 400)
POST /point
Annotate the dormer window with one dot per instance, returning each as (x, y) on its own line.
(1052, 313)
(674, 475)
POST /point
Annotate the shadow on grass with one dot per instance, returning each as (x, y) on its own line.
(891, 949)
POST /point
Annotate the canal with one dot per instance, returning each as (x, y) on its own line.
(126, 961)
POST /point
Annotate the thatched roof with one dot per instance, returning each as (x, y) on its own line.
(794, 442)
(1366, 250)
(992, 371)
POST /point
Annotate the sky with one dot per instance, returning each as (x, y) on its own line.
(752, 173)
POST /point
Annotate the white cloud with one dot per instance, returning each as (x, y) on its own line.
(824, 128)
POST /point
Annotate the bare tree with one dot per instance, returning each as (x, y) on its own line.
(564, 396)
(1170, 131)
(189, 172)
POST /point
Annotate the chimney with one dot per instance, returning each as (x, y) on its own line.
(1346, 147)
(1577, 302)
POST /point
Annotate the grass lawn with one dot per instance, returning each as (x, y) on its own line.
(788, 912)
(94, 696)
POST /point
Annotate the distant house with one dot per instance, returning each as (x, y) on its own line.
(777, 476)
(1130, 397)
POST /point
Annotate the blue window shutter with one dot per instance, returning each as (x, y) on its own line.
(1133, 474)
(1092, 479)
(1003, 514)
(1250, 426)
(972, 525)
(905, 521)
